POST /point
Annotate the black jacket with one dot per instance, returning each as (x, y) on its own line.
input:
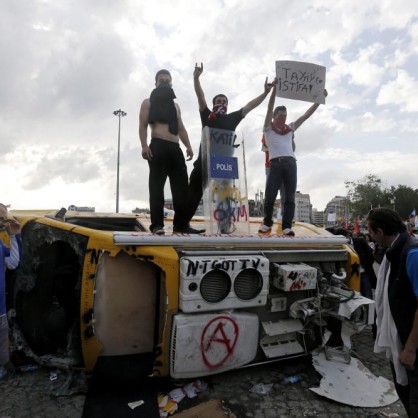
(365, 254)
(402, 299)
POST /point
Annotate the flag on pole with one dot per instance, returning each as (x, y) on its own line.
(356, 226)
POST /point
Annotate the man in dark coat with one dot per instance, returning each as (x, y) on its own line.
(397, 302)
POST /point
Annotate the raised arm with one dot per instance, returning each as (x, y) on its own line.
(270, 106)
(183, 135)
(308, 113)
(198, 88)
(259, 99)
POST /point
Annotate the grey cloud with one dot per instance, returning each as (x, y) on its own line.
(71, 166)
(64, 65)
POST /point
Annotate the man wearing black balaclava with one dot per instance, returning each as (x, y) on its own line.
(164, 156)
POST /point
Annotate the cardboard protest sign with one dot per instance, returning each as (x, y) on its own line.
(300, 81)
(332, 217)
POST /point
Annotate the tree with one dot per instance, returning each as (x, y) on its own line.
(366, 194)
(405, 200)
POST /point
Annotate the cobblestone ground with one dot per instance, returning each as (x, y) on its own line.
(28, 395)
(296, 400)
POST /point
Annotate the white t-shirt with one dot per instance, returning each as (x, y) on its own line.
(280, 145)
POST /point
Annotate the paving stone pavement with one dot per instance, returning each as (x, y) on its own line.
(28, 395)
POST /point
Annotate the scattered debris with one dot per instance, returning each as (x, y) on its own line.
(262, 388)
(338, 354)
(310, 413)
(352, 384)
(168, 404)
(135, 404)
(210, 409)
(291, 379)
(29, 367)
(67, 382)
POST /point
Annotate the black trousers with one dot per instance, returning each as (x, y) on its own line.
(197, 183)
(167, 161)
(408, 395)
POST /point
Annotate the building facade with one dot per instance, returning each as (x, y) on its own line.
(337, 211)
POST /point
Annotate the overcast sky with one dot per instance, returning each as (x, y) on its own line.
(67, 65)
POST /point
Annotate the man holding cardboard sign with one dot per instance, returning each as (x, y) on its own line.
(283, 169)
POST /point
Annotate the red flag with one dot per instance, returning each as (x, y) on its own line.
(356, 226)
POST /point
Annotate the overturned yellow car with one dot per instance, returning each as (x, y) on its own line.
(98, 292)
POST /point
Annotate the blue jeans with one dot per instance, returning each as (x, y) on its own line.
(283, 170)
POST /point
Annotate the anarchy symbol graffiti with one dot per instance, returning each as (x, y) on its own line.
(218, 341)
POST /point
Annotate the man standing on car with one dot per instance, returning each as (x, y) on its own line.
(9, 258)
(217, 118)
(397, 302)
(279, 138)
(164, 156)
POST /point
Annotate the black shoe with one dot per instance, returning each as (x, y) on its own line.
(188, 230)
(158, 230)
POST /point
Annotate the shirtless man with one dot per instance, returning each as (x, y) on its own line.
(164, 156)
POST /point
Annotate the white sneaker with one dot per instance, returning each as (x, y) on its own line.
(263, 229)
(288, 232)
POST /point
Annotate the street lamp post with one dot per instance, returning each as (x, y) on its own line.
(393, 201)
(119, 113)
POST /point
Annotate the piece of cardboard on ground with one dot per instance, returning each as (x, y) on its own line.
(209, 409)
(352, 383)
